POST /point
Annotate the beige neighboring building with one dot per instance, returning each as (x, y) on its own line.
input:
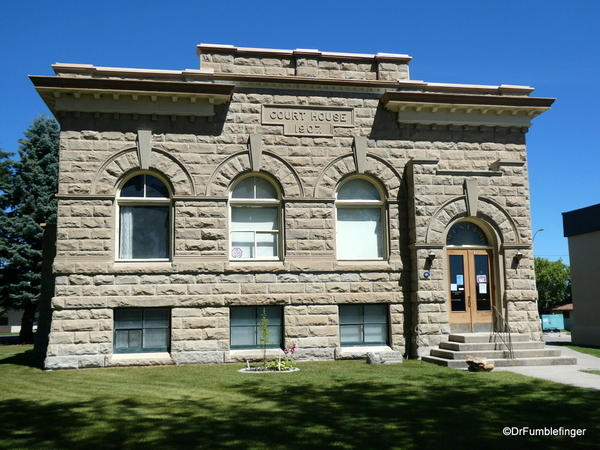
(582, 228)
(359, 209)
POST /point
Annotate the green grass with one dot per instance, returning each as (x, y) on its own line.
(337, 404)
(594, 351)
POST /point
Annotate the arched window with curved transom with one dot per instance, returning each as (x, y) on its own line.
(359, 220)
(255, 209)
(144, 229)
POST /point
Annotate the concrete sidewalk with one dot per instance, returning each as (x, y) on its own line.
(570, 375)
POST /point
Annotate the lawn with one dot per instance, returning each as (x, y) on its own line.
(338, 404)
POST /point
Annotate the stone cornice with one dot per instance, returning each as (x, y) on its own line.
(491, 107)
(306, 52)
(131, 96)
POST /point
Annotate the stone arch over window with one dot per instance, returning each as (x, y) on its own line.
(228, 170)
(489, 212)
(113, 170)
(331, 176)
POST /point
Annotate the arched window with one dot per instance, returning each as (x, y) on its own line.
(359, 222)
(466, 233)
(255, 219)
(144, 218)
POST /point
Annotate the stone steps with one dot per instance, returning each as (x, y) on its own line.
(526, 352)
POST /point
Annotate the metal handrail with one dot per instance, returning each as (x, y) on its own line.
(504, 335)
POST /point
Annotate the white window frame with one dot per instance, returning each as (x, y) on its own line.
(254, 202)
(143, 201)
(366, 204)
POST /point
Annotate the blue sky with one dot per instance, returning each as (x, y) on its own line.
(550, 45)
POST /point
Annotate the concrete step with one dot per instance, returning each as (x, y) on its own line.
(540, 361)
(496, 354)
(459, 346)
(474, 338)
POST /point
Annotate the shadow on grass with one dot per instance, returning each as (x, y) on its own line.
(23, 359)
(437, 411)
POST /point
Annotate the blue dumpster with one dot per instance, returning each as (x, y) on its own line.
(553, 322)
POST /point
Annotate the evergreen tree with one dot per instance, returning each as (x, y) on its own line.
(28, 200)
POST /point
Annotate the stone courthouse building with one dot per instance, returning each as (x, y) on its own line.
(359, 209)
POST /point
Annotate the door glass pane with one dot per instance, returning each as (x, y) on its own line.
(482, 283)
(359, 234)
(457, 283)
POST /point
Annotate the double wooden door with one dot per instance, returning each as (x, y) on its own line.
(471, 290)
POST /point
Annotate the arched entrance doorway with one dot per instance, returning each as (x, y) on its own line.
(471, 278)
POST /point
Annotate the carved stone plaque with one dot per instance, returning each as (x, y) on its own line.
(307, 120)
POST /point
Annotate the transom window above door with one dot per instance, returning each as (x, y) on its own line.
(466, 233)
(255, 209)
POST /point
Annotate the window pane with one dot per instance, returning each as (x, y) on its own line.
(359, 233)
(350, 334)
(350, 314)
(156, 318)
(358, 189)
(375, 313)
(147, 236)
(134, 187)
(242, 244)
(273, 314)
(376, 333)
(155, 187)
(253, 218)
(244, 189)
(128, 318)
(135, 338)
(245, 325)
(243, 316)
(156, 338)
(266, 245)
(466, 233)
(264, 189)
(243, 336)
(122, 339)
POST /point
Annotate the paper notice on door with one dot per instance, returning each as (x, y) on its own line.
(453, 287)
(459, 279)
(482, 288)
(481, 278)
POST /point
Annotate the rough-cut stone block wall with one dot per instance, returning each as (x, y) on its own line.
(421, 169)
